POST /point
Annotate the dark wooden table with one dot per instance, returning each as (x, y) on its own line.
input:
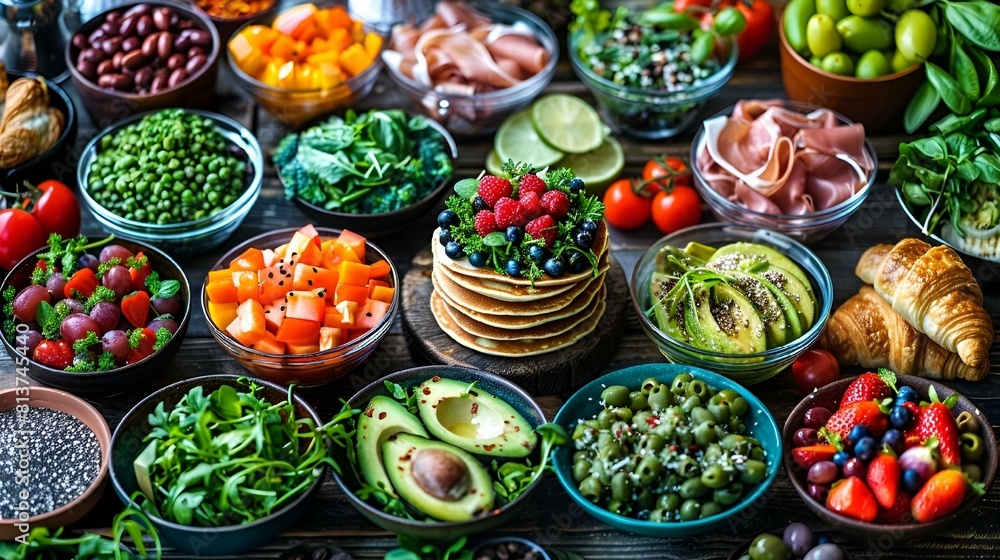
(551, 518)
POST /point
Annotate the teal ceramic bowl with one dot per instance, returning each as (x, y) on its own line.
(585, 403)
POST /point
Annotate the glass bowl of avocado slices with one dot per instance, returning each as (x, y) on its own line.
(743, 302)
(441, 452)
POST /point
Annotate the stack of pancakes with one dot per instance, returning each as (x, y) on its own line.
(503, 316)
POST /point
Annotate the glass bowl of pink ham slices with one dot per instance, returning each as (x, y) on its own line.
(471, 65)
(790, 167)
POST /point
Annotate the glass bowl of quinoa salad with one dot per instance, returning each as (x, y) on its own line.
(644, 78)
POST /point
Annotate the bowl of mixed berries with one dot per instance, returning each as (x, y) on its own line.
(889, 454)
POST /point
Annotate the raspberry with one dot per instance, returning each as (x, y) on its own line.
(508, 212)
(485, 223)
(556, 203)
(543, 227)
(493, 188)
(532, 206)
(530, 183)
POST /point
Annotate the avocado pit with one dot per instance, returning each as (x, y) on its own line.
(441, 474)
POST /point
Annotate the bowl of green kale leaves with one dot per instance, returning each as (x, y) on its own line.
(372, 173)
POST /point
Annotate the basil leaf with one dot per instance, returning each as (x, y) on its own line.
(967, 170)
(168, 289)
(933, 148)
(45, 314)
(992, 125)
(495, 239)
(954, 123)
(989, 167)
(667, 19)
(467, 188)
(931, 178)
(964, 70)
(728, 22)
(914, 194)
(988, 77)
(961, 146)
(702, 48)
(946, 86)
(978, 22)
(921, 106)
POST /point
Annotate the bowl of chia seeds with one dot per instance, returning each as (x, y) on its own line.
(54, 451)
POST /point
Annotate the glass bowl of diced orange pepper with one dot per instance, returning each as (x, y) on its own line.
(230, 15)
(303, 306)
(307, 60)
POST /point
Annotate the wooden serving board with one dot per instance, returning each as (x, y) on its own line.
(569, 367)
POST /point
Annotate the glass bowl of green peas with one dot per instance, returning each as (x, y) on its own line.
(182, 180)
(667, 450)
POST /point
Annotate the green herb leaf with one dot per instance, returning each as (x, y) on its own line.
(107, 265)
(988, 77)
(978, 21)
(84, 344)
(495, 239)
(964, 71)
(949, 90)
(921, 106)
(467, 188)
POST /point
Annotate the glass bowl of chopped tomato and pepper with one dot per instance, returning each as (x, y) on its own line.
(303, 306)
(109, 316)
(230, 15)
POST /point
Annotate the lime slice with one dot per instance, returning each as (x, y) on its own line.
(517, 140)
(494, 164)
(599, 167)
(567, 123)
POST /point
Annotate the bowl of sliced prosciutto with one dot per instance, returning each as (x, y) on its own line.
(790, 167)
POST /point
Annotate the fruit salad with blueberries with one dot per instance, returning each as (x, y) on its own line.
(525, 224)
(87, 313)
(889, 455)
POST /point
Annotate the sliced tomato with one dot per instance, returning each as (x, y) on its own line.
(135, 308)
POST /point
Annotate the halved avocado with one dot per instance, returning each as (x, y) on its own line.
(473, 419)
(670, 259)
(440, 480)
(665, 305)
(799, 294)
(383, 417)
(141, 466)
(722, 319)
(775, 310)
(750, 254)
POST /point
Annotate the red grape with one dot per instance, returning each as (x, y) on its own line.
(56, 283)
(106, 315)
(74, 304)
(76, 326)
(855, 467)
(119, 280)
(804, 437)
(815, 368)
(168, 324)
(823, 472)
(112, 251)
(26, 302)
(28, 341)
(816, 417)
(116, 342)
(165, 306)
(819, 491)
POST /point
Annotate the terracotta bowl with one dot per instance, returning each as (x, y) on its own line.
(54, 399)
(228, 26)
(107, 106)
(829, 397)
(878, 103)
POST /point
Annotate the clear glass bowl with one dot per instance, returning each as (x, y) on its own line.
(471, 115)
(184, 237)
(305, 370)
(745, 368)
(651, 113)
(807, 228)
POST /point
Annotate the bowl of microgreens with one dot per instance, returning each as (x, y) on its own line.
(222, 463)
(441, 452)
(372, 173)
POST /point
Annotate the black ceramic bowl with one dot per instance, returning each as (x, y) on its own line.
(378, 225)
(47, 165)
(127, 442)
(119, 379)
(439, 530)
(829, 397)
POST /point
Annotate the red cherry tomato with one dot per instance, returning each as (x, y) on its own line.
(683, 5)
(54, 353)
(760, 26)
(20, 234)
(57, 209)
(673, 170)
(676, 209)
(814, 369)
(624, 209)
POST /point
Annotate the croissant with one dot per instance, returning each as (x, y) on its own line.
(866, 331)
(28, 126)
(933, 290)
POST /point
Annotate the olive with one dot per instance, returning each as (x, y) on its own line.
(637, 400)
(972, 447)
(822, 36)
(768, 547)
(867, 8)
(900, 63)
(872, 64)
(838, 63)
(799, 538)
(861, 34)
(916, 35)
(615, 396)
(827, 551)
(967, 422)
(836, 9)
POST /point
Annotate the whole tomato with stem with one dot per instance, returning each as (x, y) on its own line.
(758, 13)
(56, 209)
(626, 206)
(666, 172)
(676, 208)
(20, 235)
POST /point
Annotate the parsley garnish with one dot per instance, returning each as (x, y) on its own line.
(84, 344)
(137, 262)
(65, 251)
(135, 338)
(82, 366)
(101, 293)
(41, 274)
(9, 326)
(106, 362)
(163, 336)
(50, 318)
(108, 265)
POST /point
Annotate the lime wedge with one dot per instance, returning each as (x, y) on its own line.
(567, 123)
(599, 167)
(494, 164)
(517, 140)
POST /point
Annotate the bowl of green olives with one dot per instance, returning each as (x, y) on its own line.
(666, 450)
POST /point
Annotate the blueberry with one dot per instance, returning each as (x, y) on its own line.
(515, 234)
(554, 267)
(577, 262)
(894, 439)
(912, 480)
(583, 240)
(447, 218)
(444, 236)
(866, 449)
(589, 226)
(907, 394)
(454, 250)
(513, 268)
(856, 433)
(538, 253)
(823, 540)
(840, 458)
(479, 204)
(900, 416)
(479, 259)
(575, 184)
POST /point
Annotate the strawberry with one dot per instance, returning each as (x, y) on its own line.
(936, 420)
(508, 212)
(532, 205)
(883, 478)
(556, 203)
(485, 223)
(809, 455)
(870, 386)
(493, 188)
(530, 183)
(135, 308)
(543, 227)
(899, 512)
(852, 498)
(940, 495)
(865, 413)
